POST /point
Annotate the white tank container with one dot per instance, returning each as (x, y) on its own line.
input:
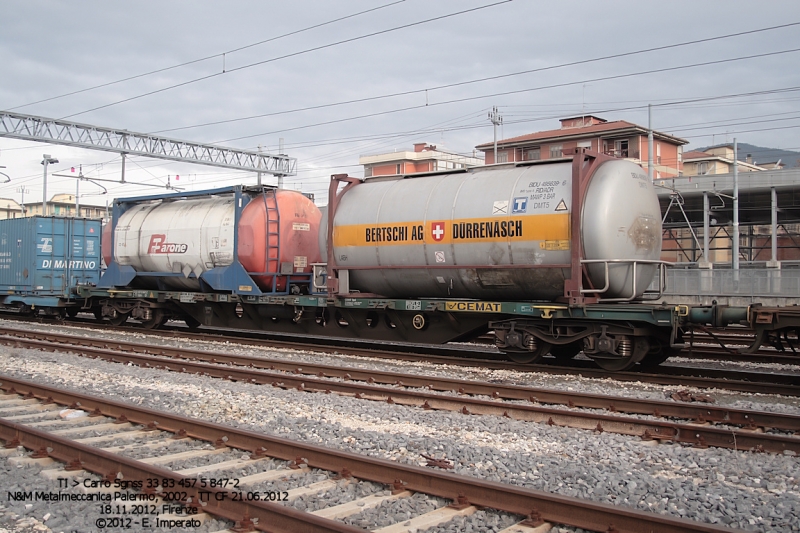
(182, 236)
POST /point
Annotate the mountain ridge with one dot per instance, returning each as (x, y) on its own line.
(761, 154)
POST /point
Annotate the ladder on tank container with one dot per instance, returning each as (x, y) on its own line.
(272, 230)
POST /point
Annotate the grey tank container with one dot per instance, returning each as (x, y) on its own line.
(621, 220)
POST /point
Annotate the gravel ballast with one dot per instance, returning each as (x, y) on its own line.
(740, 489)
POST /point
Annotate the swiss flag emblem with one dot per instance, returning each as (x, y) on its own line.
(437, 230)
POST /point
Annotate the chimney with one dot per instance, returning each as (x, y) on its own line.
(418, 147)
(749, 158)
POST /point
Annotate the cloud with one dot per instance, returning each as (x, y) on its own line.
(50, 48)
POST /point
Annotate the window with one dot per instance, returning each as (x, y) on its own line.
(502, 157)
(702, 168)
(556, 150)
(533, 154)
(367, 172)
(585, 144)
(398, 168)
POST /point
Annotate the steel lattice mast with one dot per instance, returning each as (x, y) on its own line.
(55, 131)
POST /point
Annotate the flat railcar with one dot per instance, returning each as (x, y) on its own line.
(555, 257)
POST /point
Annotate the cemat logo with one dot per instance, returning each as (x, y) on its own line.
(486, 307)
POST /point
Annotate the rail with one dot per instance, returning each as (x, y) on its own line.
(372, 385)
(513, 499)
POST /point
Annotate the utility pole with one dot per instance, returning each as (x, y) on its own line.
(280, 152)
(650, 172)
(47, 160)
(259, 166)
(24, 191)
(496, 119)
(78, 192)
(735, 205)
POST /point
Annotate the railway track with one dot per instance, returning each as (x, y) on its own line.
(733, 380)
(25, 404)
(733, 428)
(703, 345)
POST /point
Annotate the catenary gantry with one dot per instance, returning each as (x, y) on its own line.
(56, 131)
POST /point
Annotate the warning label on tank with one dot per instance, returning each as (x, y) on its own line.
(554, 245)
(491, 307)
(545, 227)
(300, 261)
(301, 226)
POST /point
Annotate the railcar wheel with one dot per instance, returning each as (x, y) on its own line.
(525, 358)
(619, 364)
(118, 318)
(157, 319)
(659, 352)
(72, 312)
(565, 352)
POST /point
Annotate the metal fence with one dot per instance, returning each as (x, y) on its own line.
(756, 282)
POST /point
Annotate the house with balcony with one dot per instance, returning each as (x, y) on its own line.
(617, 138)
(425, 158)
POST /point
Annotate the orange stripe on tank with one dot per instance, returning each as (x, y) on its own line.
(469, 230)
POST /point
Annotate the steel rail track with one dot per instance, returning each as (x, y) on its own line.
(699, 413)
(554, 508)
(708, 349)
(113, 466)
(699, 435)
(759, 382)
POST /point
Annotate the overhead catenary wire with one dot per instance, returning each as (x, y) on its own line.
(517, 91)
(293, 54)
(767, 129)
(482, 79)
(439, 128)
(206, 58)
(481, 124)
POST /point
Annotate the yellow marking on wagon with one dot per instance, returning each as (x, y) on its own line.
(490, 307)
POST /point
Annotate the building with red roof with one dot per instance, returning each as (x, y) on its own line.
(425, 158)
(618, 138)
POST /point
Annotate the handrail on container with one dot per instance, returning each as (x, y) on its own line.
(646, 295)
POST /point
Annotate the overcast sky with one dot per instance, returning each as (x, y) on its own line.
(51, 48)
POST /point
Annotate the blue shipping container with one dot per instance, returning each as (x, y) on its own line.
(47, 257)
